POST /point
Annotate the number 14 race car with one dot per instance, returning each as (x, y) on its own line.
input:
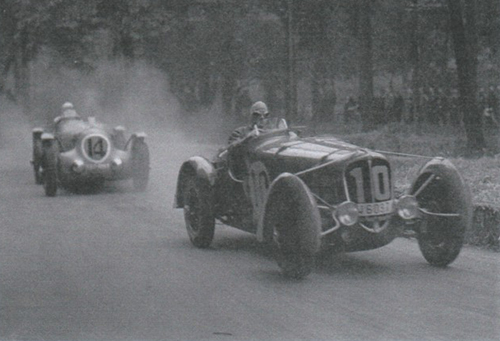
(85, 153)
(303, 195)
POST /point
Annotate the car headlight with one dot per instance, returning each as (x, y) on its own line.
(78, 166)
(347, 213)
(116, 164)
(407, 207)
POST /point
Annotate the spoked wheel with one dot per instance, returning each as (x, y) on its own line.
(447, 210)
(140, 164)
(50, 171)
(198, 215)
(291, 215)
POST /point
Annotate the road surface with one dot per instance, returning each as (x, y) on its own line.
(118, 265)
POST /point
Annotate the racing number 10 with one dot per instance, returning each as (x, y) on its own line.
(380, 183)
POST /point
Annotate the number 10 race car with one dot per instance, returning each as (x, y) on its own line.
(77, 152)
(306, 194)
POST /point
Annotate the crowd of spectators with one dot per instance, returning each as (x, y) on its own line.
(431, 105)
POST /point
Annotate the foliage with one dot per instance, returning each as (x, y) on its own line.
(236, 51)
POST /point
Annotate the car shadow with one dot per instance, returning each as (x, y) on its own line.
(326, 262)
(90, 188)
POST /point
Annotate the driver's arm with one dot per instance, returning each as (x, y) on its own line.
(242, 134)
(236, 135)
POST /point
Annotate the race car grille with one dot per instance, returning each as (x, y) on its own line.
(369, 181)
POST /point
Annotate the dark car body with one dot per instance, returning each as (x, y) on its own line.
(88, 152)
(352, 189)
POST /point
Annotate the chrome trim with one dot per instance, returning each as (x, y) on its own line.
(233, 177)
(376, 229)
(332, 229)
(443, 215)
(425, 184)
(78, 166)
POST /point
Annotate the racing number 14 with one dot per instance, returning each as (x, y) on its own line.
(96, 148)
(380, 183)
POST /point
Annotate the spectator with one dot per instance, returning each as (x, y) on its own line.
(350, 110)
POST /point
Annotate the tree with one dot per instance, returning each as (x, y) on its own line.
(363, 11)
(465, 55)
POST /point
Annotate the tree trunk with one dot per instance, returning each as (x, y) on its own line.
(291, 86)
(21, 72)
(365, 63)
(467, 77)
(416, 83)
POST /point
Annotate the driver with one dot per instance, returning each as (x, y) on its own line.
(258, 117)
(67, 110)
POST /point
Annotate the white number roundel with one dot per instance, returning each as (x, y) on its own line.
(95, 147)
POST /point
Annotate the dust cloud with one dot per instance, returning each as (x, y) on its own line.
(134, 95)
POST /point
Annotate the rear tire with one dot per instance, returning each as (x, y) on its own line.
(293, 218)
(37, 160)
(50, 171)
(198, 214)
(140, 166)
(440, 238)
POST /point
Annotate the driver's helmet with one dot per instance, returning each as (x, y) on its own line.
(67, 106)
(259, 113)
(68, 110)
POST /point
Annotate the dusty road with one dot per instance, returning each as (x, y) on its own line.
(118, 266)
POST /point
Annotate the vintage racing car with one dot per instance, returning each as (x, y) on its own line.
(306, 194)
(75, 152)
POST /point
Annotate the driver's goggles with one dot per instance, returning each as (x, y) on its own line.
(256, 114)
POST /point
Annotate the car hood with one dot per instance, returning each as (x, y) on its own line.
(315, 149)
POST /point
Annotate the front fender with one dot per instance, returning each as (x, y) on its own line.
(198, 167)
(290, 184)
(459, 193)
(47, 137)
(440, 167)
(37, 132)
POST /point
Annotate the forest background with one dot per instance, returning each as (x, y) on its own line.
(423, 61)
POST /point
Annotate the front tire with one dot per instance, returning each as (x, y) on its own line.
(140, 166)
(50, 171)
(441, 237)
(293, 218)
(198, 214)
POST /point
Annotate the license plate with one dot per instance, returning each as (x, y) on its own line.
(98, 167)
(378, 208)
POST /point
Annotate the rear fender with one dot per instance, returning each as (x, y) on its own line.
(196, 166)
(136, 137)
